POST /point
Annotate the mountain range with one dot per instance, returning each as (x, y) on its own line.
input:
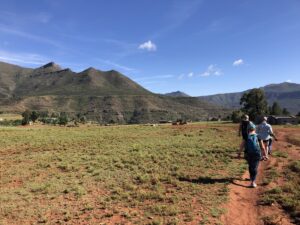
(105, 96)
(286, 94)
(177, 94)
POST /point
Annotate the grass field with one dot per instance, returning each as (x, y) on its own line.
(286, 191)
(10, 116)
(116, 175)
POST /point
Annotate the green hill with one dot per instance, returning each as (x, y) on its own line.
(286, 94)
(106, 96)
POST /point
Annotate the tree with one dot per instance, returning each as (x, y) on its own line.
(26, 117)
(276, 109)
(63, 119)
(285, 112)
(236, 116)
(44, 114)
(254, 103)
(80, 118)
(34, 116)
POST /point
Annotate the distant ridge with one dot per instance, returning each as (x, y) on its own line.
(177, 94)
(287, 94)
(105, 96)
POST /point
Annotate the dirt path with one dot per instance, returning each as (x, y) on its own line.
(243, 207)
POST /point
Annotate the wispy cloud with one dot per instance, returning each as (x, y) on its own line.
(43, 17)
(117, 65)
(12, 31)
(181, 76)
(13, 18)
(179, 12)
(289, 81)
(157, 77)
(212, 70)
(148, 45)
(23, 58)
(238, 62)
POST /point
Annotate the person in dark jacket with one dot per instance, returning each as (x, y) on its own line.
(243, 131)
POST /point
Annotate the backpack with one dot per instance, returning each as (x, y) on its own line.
(252, 145)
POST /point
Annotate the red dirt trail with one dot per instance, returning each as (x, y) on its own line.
(243, 207)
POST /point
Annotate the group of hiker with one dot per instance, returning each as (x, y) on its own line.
(256, 143)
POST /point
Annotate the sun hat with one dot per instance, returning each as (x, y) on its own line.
(245, 117)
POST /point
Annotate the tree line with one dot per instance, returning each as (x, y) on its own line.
(254, 104)
(61, 118)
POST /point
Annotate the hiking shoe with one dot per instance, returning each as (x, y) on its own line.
(253, 184)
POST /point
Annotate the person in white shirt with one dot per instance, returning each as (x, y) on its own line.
(265, 133)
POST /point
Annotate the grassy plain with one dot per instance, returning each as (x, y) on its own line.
(285, 174)
(10, 116)
(117, 175)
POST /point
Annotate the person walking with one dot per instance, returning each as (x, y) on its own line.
(253, 154)
(265, 133)
(243, 131)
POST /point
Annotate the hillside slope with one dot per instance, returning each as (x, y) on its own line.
(286, 94)
(177, 94)
(106, 96)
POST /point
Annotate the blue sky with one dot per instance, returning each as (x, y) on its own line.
(200, 47)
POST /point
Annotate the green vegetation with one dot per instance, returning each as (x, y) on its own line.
(287, 191)
(254, 103)
(102, 96)
(275, 109)
(63, 119)
(285, 94)
(288, 195)
(236, 116)
(138, 174)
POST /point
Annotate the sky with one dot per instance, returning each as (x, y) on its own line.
(200, 47)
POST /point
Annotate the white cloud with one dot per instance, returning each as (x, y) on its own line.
(191, 74)
(212, 70)
(289, 81)
(23, 58)
(148, 45)
(238, 62)
(188, 75)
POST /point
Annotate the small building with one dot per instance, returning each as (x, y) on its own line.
(281, 120)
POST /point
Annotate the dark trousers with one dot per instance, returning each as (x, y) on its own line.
(253, 162)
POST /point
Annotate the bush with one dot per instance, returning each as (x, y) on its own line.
(63, 119)
(26, 117)
(34, 116)
(236, 116)
(11, 123)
